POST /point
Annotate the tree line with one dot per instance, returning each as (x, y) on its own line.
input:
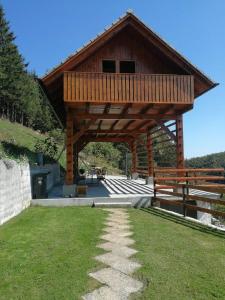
(20, 97)
(214, 160)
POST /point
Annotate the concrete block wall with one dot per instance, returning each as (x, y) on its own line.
(15, 189)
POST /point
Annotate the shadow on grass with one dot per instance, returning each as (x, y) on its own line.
(17, 151)
(184, 222)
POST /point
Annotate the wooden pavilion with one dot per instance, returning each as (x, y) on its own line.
(125, 83)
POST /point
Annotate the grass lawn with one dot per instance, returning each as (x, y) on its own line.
(180, 260)
(46, 253)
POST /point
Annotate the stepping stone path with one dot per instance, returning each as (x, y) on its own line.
(116, 278)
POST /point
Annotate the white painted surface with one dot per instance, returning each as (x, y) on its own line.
(15, 189)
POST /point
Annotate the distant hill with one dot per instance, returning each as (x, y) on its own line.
(214, 160)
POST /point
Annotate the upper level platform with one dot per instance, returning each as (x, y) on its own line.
(128, 88)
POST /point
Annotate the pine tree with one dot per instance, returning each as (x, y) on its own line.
(18, 87)
(40, 116)
(12, 66)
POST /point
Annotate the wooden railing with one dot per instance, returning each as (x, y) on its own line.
(188, 185)
(123, 88)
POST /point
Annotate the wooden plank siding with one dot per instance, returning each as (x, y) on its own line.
(124, 88)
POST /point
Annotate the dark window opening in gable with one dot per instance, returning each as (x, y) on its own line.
(109, 66)
(127, 66)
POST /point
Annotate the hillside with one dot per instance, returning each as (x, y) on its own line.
(214, 160)
(17, 142)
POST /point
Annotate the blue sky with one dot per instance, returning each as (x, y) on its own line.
(48, 31)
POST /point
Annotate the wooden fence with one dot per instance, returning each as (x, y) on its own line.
(180, 183)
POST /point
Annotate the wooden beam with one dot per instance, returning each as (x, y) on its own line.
(107, 108)
(82, 130)
(69, 148)
(75, 161)
(82, 146)
(180, 143)
(99, 125)
(167, 131)
(162, 112)
(126, 116)
(106, 111)
(114, 124)
(140, 142)
(146, 108)
(143, 124)
(128, 124)
(124, 111)
(134, 156)
(87, 107)
(109, 131)
(142, 111)
(82, 142)
(109, 139)
(150, 154)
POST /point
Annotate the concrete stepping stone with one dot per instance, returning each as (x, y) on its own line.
(123, 251)
(116, 225)
(118, 232)
(104, 293)
(125, 241)
(115, 211)
(121, 216)
(120, 263)
(118, 221)
(119, 282)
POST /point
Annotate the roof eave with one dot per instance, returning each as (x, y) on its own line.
(214, 84)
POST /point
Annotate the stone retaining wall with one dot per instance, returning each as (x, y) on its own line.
(15, 189)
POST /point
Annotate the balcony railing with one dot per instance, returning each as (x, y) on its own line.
(124, 88)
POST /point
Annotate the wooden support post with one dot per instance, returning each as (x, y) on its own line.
(134, 156)
(69, 148)
(75, 161)
(180, 143)
(150, 154)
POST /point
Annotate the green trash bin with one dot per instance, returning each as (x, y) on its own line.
(39, 185)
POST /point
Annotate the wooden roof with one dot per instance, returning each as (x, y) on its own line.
(203, 82)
